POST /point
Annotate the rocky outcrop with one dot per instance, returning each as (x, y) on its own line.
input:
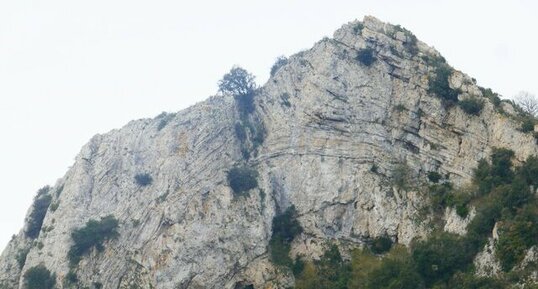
(336, 130)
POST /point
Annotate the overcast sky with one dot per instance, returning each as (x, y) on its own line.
(70, 69)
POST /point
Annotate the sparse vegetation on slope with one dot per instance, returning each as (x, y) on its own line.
(445, 260)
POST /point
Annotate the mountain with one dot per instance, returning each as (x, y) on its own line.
(367, 140)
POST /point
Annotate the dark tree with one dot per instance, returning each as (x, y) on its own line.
(240, 83)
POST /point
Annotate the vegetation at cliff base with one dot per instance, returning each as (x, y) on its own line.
(380, 245)
(329, 272)
(92, 235)
(501, 194)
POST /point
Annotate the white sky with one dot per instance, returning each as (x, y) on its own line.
(70, 69)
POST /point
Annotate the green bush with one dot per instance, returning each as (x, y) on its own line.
(144, 179)
(401, 175)
(92, 235)
(529, 171)
(471, 281)
(434, 177)
(472, 106)
(459, 201)
(54, 206)
(380, 245)
(478, 230)
(39, 277)
(501, 166)
(440, 195)
(242, 180)
(285, 99)
(366, 56)
(21, 257)
(487, 176)
(329, 272)
(494, 97)
(39, 209)
(440, 256)
(333, 272)
(482, 177)
(439, 85)
(400, 108)
(395, 273)
(528, 124)
(517, 236)
(285, 228)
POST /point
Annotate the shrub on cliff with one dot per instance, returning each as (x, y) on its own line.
(39, 277)
(240, 83)
(380, 245)
(242, 179)
(472, 106)
(92, 235)
(143, 179)
(527, 125)
(39, 209)
(285, 229)
(441, 256)
(439, 84)
(366, 56)
(517, 236)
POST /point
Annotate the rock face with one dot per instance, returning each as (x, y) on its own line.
(336, 131)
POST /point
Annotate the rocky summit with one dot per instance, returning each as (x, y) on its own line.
(349, 143)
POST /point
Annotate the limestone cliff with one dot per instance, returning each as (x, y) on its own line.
(334, 131)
